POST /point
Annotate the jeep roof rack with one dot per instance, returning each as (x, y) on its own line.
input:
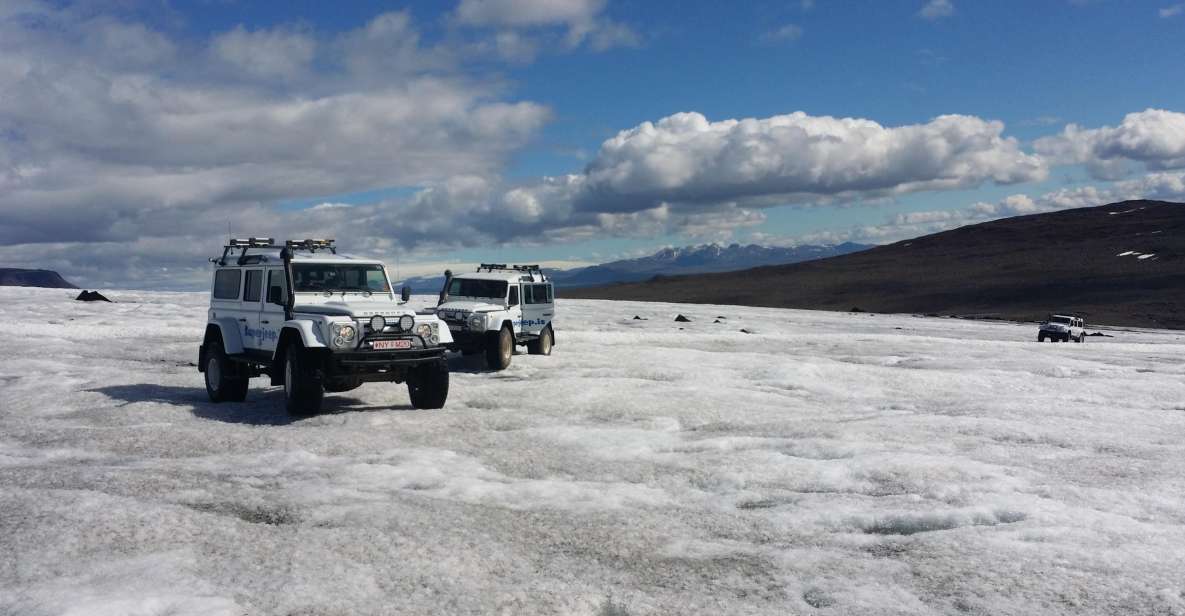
(534, 272)
(311, 245)
(243, 244)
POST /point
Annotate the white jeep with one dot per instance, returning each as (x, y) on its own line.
(315, 321)
(496, 308)
(1059, 327)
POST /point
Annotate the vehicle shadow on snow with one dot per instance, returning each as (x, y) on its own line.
(263, 407)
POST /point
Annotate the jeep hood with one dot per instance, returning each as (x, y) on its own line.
(355, 309)
(468, 306)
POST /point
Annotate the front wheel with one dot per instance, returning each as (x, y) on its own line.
(499, 349)
(303, 390)
(542, 344)
(224, 381)
(1040, 337)
(427, 384)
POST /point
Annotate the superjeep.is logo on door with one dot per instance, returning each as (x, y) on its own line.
(260, 334)
(530, 322)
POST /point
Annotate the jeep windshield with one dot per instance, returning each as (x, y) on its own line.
(470, 287)
(321, 277)
(1062, 320)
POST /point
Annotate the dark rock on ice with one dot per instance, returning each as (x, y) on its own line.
(91, 296)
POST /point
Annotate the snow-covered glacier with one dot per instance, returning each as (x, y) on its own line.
(825, 463)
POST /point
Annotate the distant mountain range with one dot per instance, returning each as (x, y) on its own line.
(1119, 264)
(673, 261)
(14, 277)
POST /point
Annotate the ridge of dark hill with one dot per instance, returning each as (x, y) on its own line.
(1018, 268)
(15, 277)
(672, 261)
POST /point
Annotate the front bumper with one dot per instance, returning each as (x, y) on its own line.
(365, 361)
(467, 340)
(381, 359)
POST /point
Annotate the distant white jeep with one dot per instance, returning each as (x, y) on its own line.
(315, 321)
(1059, 327)
(497, 307)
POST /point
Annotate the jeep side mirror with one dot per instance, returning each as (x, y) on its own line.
(405, 293)
(275, 295)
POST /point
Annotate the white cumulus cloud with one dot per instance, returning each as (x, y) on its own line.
(797, 157)
(283, 53)
(1154, 138)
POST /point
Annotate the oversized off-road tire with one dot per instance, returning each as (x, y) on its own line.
(225, 381)
(542, 344)
(427, 384)
(303, 390)
(1082, 338)
(1040, 337)
(499, 348)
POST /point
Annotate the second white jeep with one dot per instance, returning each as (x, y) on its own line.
(497, 307)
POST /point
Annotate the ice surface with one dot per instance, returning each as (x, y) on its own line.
(830, 463)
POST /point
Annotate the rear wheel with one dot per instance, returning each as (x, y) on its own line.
(303, 390)
(542, 344)
(499, 349)
(427, 385)
(224, 379)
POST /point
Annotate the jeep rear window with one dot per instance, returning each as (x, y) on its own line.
(468, 287)
(318, 277)
(226, 284)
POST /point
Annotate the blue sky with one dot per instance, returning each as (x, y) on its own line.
(450, 132)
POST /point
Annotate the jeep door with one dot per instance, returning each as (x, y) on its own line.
(538, 307)
(252, 298)
(271, 313)
(227, 306)
(514, 308)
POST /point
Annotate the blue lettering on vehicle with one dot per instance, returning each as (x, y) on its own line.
(260, 334)
(529, 322)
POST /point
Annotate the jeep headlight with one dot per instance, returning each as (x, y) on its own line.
(477, 321)
(427, 331)
(343, 334)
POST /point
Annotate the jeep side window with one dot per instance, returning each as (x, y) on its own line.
(376, 281)
(550, 294)
(513, 301)
(275, 285)
(537, 293)
(254, 283)
(226, 284)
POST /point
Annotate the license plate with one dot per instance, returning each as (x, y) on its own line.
(383, 345)
(456, 327)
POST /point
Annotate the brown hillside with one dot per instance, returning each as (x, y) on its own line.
(1016, 268)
